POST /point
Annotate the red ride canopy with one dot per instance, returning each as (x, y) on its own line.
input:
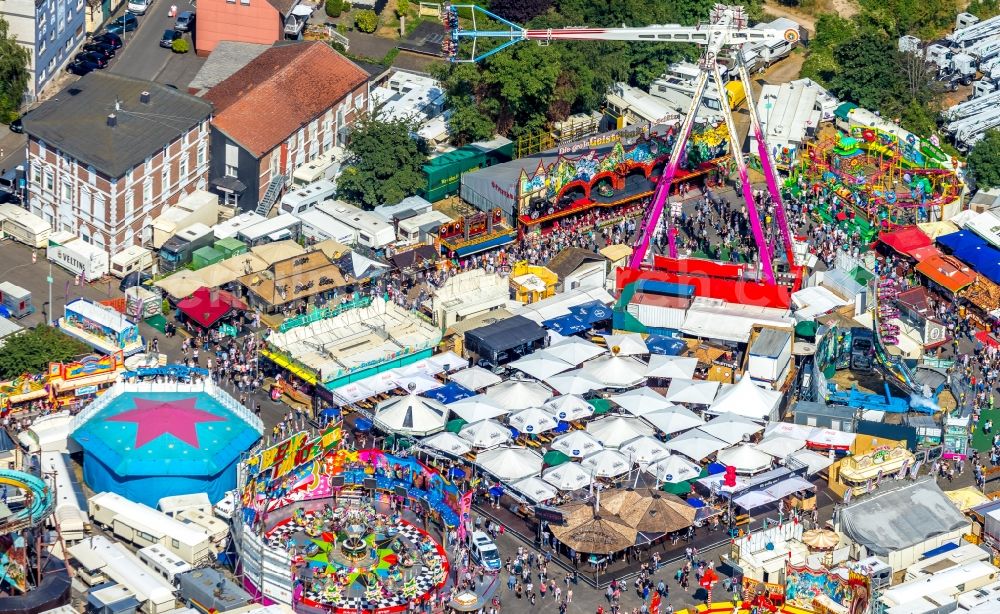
(206, 307)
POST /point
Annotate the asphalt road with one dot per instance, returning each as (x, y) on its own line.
(143, 58)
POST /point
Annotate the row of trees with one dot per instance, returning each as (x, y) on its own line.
(13, 73)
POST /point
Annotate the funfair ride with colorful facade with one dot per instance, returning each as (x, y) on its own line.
(727, 29)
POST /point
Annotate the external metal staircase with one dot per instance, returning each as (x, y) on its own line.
(271, 196)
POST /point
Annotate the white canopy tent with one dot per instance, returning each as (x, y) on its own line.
(518, 394)
(510, 464)
(789, 429)
(568, 407)
(747, 399)
(745, 458)
(479, 407)
(780, 447)
(449, 443)
(616, 371)
(573, 382)
(485, 434)
(475, 378)
(613, 431)
(640, 401)
(673, 419)
(535, 489)
(411, 415)
(674, 469)
(448, 362)
(382, 382)
(644, 450)
(533, 420)
(354, 392)
(568, 477)
(629, 344)
(830, 438)
(695, 444)
(577, 444)
(731, 428)
(606, 464)
(575, 350)
(417, 384)
(669, 367)
(694, 391)
(814, 461)
(541, 365)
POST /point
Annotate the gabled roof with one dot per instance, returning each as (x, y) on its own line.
(283, 6)
(570, 259)
(76, 120)
(282, 89)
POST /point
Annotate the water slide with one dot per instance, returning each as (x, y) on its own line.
(895, 371)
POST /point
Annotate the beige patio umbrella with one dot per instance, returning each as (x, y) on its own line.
(592, 533)
(821, 539)
(649, 510)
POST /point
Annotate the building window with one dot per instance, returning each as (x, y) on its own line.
(100, 208)
(67, 191)
(91, 175)
(201, 154)
(36, 175)
(232, 160)
(275, 160)
(245, 2)
(165, 185)
(182, 167)
(147, 191)
(86, 202)
(230, 199)
(129, 203)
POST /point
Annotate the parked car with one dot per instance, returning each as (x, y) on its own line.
(185, 21)
(138, 7)
(168, 38)
(81, 67)
(126, 23)
(484, 551)
(94, 58)
(135, 278)
(16, 126)
(108, 38)
(105, 51)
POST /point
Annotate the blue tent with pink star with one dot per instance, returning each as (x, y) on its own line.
(154, 443)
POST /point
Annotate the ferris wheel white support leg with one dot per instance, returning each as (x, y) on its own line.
(763, 250)
(662, 193)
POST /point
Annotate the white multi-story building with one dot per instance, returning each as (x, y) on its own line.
(106, 155)
(51, 31)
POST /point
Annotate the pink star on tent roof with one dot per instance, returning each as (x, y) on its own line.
(154, 418)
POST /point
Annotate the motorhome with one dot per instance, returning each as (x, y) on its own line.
(24, 226)
(421, 228)
(198, 207)
(175, 504)
(318, 226)
(324, 166)
(80, 258)
(307, 197)
(226, 506)
(143, 526)
(284, 226)
(131, 259)
(102, 557)
(369, 228)
(232, 227)
(177, 252)
(780, 49)
(163, 562)
(68, 511)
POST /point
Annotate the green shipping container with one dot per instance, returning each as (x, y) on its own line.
(204, 256)
(444, 173)
(231, 247)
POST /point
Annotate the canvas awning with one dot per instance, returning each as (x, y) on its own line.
(639, 401)
(510, 464)
(411, 415)
(475, 378)
(669, 367)
(613, 431)
(577, 444)
(541, 365)
(516, 394)
(568, 477)
(697, 392)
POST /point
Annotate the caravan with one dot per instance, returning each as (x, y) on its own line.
(143, 526)
(131, 259)
(284, 226)
(106, 560)
(369, 229)
(24, 226)
(231, 227)
(324, 166)
(174, 505)
(307, 197)
(218, 530)
(68, 511)
(165, 563)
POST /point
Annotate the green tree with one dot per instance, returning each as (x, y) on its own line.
(402, 7)
(468, 123)
(366, 21)
(33, 350)
(868, 71)
(385, 162)
(334, 8)
(180, 46)
(13, 73)
(984, 160)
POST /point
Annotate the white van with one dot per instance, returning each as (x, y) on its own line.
(131, 259)
(484, 551)
(307, 197)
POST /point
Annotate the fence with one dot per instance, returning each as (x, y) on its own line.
(430, 9)
(337, 37)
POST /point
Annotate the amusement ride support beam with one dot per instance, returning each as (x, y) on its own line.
(763, 249)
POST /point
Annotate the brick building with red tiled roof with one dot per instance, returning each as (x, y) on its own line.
(247, 21)
(287, 106)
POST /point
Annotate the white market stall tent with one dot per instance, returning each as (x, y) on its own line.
(745, 459)
(535, 489)
(629, 344)
(411, 415)
(731, 428)
(606, 464)
(533, 420)
(576, 444)
(541, 365)
(479, 407)
(575, 350)
(669, 367)
(674, 419)
(568, 477)
(696, 444)
(693, 391)
(518, 394)
(613, 431)
(747, 399)
(510, 464)
(674, 469)
(449, 443)
(573, 382)
(644, 450)
(569, 407)
(780, 447)
(639, 401)
(475, 378)
(485, 434)
(616, 371)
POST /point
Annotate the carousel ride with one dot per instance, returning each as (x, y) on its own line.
(873, 181)
(354, 557)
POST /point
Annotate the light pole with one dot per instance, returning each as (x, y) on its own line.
(48, 312)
